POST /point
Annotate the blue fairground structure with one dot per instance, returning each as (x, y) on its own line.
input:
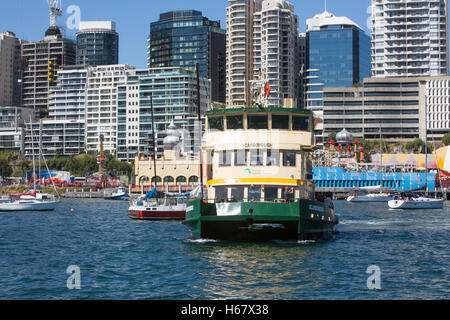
(339, 177)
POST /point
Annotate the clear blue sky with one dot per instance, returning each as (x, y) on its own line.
(29, 19)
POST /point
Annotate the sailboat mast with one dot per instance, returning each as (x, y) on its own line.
(426, 149)
(32, 152)
(200, 129)
(154, 139)
(381, 161)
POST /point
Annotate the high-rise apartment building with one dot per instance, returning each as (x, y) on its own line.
(275, 50)
(172, 93)
(262, 47)
(240, 51)
(63, 132)
(10, 69)
(40, 62)
(409, 38)
(101, 109)
(97, 43)
(185, 38)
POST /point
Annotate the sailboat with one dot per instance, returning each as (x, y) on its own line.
(34, 199)
(415, 201)
(369, 194)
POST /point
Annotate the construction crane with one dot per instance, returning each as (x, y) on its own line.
(55, 8)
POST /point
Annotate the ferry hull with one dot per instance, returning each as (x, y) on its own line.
(301, 220)
(156, 215)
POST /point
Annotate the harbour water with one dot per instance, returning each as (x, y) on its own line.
(119, 258)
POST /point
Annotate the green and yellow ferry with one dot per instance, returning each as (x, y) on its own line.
(256, 162)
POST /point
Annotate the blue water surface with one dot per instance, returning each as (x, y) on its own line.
(120, 258)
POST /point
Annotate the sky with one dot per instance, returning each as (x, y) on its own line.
(29, 19)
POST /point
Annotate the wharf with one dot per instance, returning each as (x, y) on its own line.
(82, 194)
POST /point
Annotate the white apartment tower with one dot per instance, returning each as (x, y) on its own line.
(101, 109)
(275, 50)
(239, 51)
(409, 38)
(262, 44)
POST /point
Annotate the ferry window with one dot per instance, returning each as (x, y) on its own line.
(270, 193)
(273, 158)
(288, 193)
(254, 193)
(240, 158)
(225, 159)
(221, 193)
(257, 122)
(289, 159)
(235, 122)
(300, 123)
(215, 124)
(256, 157)
(237, 193)
(280, 122)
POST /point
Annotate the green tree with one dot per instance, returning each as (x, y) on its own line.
(446, 139)
(417, 146)
(5, 169)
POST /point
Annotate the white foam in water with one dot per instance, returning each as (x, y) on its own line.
(201, 240)
(306, 241)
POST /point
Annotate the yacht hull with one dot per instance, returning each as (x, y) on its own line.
(420, 203)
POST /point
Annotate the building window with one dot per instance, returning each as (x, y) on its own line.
(270, 194)
(289, 159)
(257, 122)
(215, 124)
(225, 159)
(235, 122)
(280, 122)
(237, 193)
(240, 158)
(168, 180)
(256, 158)
(254, 193)
(181, 180)
(221, 194)
(300, 123)
(273, 158)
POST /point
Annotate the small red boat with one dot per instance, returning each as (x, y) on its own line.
(163, 209)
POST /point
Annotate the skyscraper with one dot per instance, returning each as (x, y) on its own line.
(97, 43)
(185, 38)
(409, 38)
(9, 69)
(276, 53)
(338, 56)
(40, 62)
(240, 51)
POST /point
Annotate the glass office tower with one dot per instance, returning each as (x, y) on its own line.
(184, 38)
(97, 43)
(339, 55)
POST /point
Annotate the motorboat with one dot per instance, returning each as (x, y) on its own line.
(170, 207)
(120, 193)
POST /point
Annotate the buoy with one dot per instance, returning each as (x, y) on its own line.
(72, 209)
